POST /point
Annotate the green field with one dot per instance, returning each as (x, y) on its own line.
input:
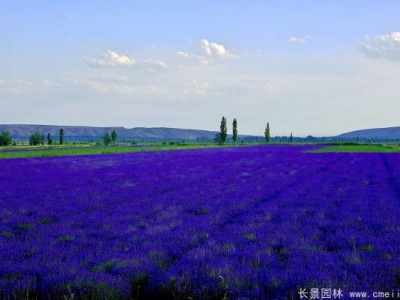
(22, 152)
(360, 148)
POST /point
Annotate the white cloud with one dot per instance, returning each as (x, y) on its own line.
(213, 49)
(151, 63)
(211, 52)
(198, 59)
(112, 59)
(196, 88)
(298, 40)
(385, 46)
(269, 86)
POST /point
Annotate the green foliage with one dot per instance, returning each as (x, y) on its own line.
(61, 136)
(114, 137)
(218, 139)
(48, 220)
(138, 283)
(106, 139)
(94, 150)
(251, 236)
(223, 131)
(86, 290)
(70, 296)
(234, 130)
(105, 291)
(36, 139)
(106, 267)
(267, 133)
(24, 227)
(49, 139)
(167, 289)
(5, 138)
(228, 247)
(368, 248)
(375, 148)
(6, 234)
(291, 138)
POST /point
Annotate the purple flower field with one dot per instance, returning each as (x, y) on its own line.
(255, 222)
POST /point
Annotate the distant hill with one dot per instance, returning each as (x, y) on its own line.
(374, 133)
(87, 132)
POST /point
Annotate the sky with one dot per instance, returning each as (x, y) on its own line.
(317, 68)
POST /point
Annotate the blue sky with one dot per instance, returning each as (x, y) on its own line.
(307, 67)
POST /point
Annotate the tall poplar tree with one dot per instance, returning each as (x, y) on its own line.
(114, 137)
(234, 130)
(223, 130)
(49, 139)
(267, 133)
(61, 136)
(106, 139)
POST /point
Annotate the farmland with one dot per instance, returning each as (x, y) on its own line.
(362, 148)
(50, 151)
(257, 222)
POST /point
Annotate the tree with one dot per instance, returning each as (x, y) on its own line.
(267, 133)
(5, 138)
(49, 139)
(217, 138)
(234, 133)
(114, 137)
(291, 138)
(106, 139)
(36, 138)
(61, 136)
(223, 130)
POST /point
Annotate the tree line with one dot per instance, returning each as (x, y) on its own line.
(110, 138)
(221, 136)
(5, 138)
(38, 138)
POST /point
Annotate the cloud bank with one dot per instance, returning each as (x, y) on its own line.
(300, 40)
(194, 58)
(112, 59)
(385, 46)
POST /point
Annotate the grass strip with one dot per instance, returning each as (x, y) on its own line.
(93, 151)
(361, 148)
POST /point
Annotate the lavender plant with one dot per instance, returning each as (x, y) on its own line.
(254, 222)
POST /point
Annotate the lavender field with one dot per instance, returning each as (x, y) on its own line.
(255, 222)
